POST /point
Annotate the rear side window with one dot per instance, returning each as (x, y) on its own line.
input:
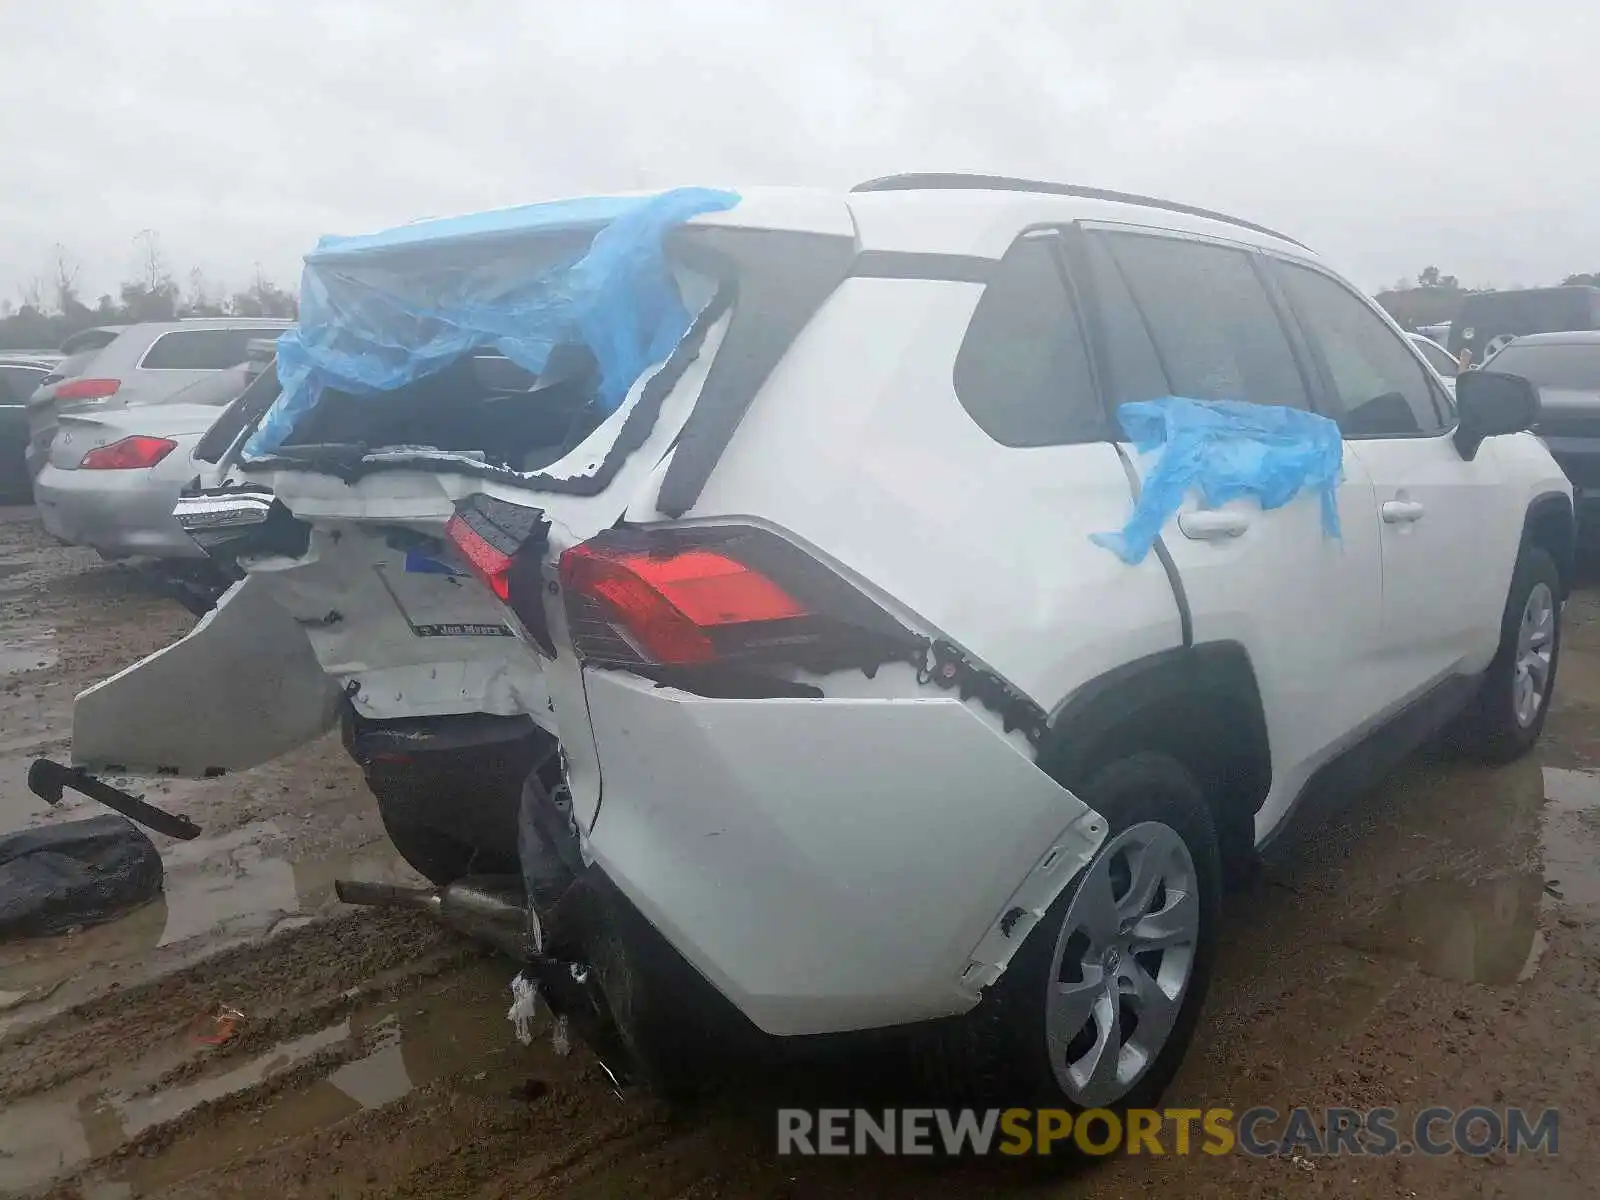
(88, 339)
(1214, 328)
(200, 349)
(1133, 369)
(1022, 372)
(1379, 387)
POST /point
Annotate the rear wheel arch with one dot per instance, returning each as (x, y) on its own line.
(1199, 704)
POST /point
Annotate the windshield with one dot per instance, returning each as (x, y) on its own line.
(1437, 357)
(1571, 366)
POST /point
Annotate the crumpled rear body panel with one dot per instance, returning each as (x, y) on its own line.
(240, 689)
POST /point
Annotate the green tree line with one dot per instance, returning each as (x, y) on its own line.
(49, 307)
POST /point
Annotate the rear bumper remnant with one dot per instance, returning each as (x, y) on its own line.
(47, 779)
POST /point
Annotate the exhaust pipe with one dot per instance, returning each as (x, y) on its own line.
(489, 908)
(492, 909)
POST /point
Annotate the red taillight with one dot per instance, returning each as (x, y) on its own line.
(491, 565)
(669, 605)
(87, 389)
(131, 453)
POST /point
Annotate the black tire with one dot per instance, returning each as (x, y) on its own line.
(411, 799)
(1489, 730)
(435, 856)
(997, 1055)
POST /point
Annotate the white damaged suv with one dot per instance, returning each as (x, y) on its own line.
(835, 717)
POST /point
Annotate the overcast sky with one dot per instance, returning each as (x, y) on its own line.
(1389, 134)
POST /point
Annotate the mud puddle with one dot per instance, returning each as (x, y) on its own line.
(1572, 838)
(23, 650)
(454, 1027)
(226, 888)
(1475, 916)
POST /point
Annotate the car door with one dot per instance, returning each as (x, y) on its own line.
(1187, 317)
(1442, 590)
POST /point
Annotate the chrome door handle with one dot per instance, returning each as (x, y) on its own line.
(1401, 512)
(1210, 525)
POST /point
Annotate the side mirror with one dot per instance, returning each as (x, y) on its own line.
(1489, 403)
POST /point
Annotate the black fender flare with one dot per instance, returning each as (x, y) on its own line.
(1551, 522)
(1201, 703)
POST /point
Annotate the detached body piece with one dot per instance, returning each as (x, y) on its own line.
(75, 873)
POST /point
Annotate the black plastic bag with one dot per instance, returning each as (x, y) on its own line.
(77, 873)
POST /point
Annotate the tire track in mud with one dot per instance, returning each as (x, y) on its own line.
(294, 980)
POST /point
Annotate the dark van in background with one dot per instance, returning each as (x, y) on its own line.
(1488, 320)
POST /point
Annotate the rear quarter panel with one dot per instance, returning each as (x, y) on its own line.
(859, 448)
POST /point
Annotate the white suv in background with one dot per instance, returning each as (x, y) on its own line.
(857, 727)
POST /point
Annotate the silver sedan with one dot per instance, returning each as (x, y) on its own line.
(113, 474)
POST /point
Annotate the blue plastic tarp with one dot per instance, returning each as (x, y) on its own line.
(382, 310)
(1225, 449)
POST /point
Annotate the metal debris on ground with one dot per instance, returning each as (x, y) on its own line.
(218, 1027)
(524, 1007)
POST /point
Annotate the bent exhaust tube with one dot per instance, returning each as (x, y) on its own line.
(491, 909)
(486, 907)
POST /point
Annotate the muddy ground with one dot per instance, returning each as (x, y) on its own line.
(1440, 944)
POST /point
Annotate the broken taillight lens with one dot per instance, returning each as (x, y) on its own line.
(503, 545)
(489, 564)
(670, 606)
(130, 454)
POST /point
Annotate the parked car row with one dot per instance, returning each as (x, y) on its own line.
(100, 437)
(737, 601)
(1565, 367)
(20, 377)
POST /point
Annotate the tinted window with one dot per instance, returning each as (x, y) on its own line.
(18, 383)
(1571, 367)
(1132, 369)
(200, 349)
(1216, 332)
(1379, 387)
(88, 339)
(1022, 372)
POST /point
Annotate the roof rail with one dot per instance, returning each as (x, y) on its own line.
(935, 181)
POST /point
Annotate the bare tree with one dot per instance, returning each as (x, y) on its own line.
(151, 295)
(152, 268)
(31, 294)
(200, 301)
(263, 298)
(64, 271)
